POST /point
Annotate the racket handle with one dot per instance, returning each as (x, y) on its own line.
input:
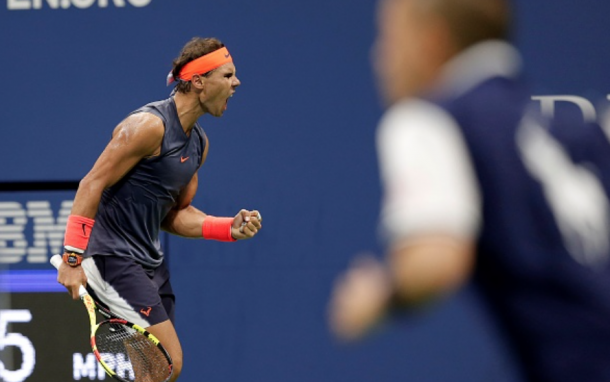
(56, 261)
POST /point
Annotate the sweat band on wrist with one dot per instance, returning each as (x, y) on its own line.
(78, 231)
(202, 65)
(215, 228)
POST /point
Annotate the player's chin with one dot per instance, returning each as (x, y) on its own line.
(218, 113)
(221, 111)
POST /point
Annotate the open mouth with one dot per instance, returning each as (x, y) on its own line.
(227, 102)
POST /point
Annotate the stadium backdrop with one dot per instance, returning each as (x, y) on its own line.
(297, 143)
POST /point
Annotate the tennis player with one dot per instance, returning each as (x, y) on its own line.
(475, 185)
(144, 181)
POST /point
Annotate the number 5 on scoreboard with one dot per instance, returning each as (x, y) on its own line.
(28, 354)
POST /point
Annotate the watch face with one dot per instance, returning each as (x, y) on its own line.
(73, 260)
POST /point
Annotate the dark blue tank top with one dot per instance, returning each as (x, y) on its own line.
(131, 211)
(556, 312)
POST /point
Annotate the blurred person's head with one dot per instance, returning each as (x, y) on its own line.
(417, 37)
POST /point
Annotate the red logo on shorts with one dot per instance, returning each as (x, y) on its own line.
(146, 312)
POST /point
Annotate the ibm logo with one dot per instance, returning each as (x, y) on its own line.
(18, 5)
(48, 231)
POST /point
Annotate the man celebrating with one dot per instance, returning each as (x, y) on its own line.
(476, 185)
(144, 181)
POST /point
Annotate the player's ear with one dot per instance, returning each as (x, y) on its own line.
(198, 81)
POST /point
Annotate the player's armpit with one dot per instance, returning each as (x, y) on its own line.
(187, 193)
(427, 267)
(206, 149)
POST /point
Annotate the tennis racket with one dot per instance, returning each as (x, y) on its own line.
(126, 351)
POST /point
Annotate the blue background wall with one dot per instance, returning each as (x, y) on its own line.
(297, 143)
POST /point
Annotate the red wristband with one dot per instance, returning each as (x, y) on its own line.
(78, 231)
(215, 228)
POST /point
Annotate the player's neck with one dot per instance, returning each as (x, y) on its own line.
(189, 110)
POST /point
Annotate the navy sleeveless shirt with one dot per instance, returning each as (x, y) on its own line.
(130, 213)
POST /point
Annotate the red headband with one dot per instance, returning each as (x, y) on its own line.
(202, 65)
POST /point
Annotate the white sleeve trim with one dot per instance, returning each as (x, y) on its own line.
(430, 186)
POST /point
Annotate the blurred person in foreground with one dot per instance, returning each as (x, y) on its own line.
(476, 185)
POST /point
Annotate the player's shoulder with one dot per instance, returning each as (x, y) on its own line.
(153, 114)
(144, 119)
(141, 124)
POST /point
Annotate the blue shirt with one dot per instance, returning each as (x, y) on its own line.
(554, 305)
(131, 211)
(533, 197)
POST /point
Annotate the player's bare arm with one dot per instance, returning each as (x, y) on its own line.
(187, 221)
(419, 270)
(137, 137)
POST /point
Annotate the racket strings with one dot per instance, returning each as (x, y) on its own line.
(132, 354)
